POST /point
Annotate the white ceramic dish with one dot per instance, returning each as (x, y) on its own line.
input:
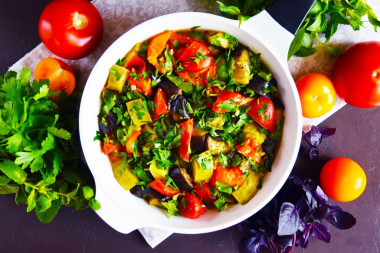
(123, 211)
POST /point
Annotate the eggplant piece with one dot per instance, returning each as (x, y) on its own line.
(237, 52)
(241, 71)
(111, 126)
(147, 192)
(218, 138)
(217, 147)
(276, 101)
(169, 87)
(232, 154)
(177, 105)
(269, 145)
(259, 85)
(220, 39)
(182, 179)
(198, 144)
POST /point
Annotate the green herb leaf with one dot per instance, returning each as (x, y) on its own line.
(88, 192)
(14, 172)
(224, 188)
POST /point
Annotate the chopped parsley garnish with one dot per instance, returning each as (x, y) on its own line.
(115, 73)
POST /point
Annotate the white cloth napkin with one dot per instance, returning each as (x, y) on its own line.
(120, 16)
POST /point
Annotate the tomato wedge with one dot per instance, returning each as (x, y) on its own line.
(161, 104)
(203, 191)
(132, 140)
(251, 150)
(184, 147)
(227, 96)
(183, 40)
(233, 176)
(190, 206)
(162, 188)
(262, 111)
(137, 79)
(155, 48)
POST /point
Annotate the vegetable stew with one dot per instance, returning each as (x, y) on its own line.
(190, 121)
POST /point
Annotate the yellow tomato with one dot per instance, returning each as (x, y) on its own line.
(342, 179)
(317, 94)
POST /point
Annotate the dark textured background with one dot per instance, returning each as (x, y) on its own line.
(357, 137)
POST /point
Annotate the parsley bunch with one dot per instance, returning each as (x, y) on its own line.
(319, 26)
(38, 157)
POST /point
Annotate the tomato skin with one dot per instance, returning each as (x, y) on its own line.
(139, 83)
(250, 149)
(162, 188)
(356, 74)
(232, 176)
(193, 207)
(184, 147)
(71, 29)
(317, 94)
(204, 192)
(342, 179)
(267, 118)
(133, 139)
(161, 104)
(61, 76)
(227, 96)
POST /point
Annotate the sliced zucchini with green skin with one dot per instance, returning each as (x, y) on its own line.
(117, 78)
(248, 189)
(203, 167)
(156, 172)
(124, 175)
(241, 72)
(217, 147)
(138, 112)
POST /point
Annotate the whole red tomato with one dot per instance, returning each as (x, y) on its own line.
(356, 74)
(71, 29)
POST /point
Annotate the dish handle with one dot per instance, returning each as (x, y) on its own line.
(279, 22)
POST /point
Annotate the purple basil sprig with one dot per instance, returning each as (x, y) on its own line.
(314, 138)
(295, 214)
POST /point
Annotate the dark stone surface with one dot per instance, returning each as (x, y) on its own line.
(357, 137)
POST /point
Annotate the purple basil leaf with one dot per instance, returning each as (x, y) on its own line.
(303, 238)
(248, 228)
(302, 207)
(317, 133)
(311, 200)
(341, 219)
(321, 232)
(326, 132)
(333, 207)
(313, 153)
(289, 220)
(321, 196)
(252, 244)
(321, 212)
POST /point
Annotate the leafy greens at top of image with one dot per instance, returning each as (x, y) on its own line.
(320, 24)
(38, 156)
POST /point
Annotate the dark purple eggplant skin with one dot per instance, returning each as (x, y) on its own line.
(146, 192)
(169, 87)
(276, 101)
(198, 144)
(181, 178)
(111, 119)
(257, 84)
(237, 51)
(177, 105)
(232, 153)
(269, 145)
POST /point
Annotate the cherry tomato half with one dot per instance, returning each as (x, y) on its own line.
(60, 75)
(356, 74)
(342, 179)
(71, 29)
(317, 94)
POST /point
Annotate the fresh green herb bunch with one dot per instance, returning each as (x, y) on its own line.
(38, 157)
(320, 24)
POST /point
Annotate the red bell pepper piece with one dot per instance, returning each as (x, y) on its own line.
(190, 206)
(233, 176)
(263, 112)
(133, 139)
(161, 104)
(204, 192)
(227, 96)
(162, 188)
(137, 81)
(184, 147)
(109, 146)
(251, 150)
